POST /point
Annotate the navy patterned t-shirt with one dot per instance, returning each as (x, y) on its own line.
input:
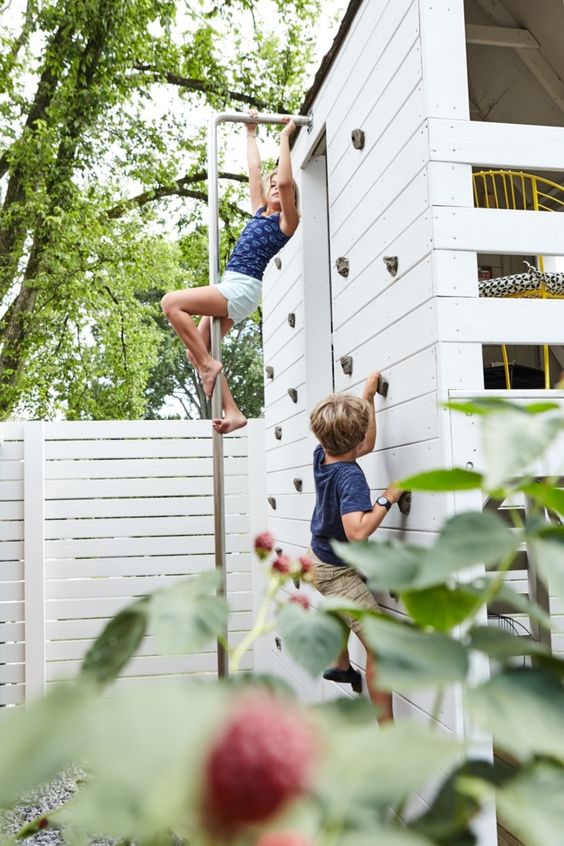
(340, 488)
(259, 241)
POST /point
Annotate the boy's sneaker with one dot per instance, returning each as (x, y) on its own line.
(348, 676)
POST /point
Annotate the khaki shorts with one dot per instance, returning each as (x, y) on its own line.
(342, 581)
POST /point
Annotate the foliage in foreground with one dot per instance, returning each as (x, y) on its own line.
(242, 762)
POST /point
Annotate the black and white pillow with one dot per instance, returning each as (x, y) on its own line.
(529, 282)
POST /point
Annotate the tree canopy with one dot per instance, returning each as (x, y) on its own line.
(103, 106)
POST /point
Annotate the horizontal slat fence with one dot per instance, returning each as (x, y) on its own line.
(95, 514)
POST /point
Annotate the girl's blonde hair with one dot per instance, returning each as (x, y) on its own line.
(266, 186)
(340, 422)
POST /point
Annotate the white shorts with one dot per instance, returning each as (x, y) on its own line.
(243, 294)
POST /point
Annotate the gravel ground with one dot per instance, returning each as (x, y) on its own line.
(41, 801)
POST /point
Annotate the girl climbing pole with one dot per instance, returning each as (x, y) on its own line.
(274, 221)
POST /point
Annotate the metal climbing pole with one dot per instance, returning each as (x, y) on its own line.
(213, 237)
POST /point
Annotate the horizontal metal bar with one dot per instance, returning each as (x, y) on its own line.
(260, 117)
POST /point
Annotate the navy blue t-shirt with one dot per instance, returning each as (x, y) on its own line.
(340, 488)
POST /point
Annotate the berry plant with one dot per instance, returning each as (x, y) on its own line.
(241, 761)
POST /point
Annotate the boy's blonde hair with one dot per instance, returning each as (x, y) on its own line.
(340, 422)
(266, 186)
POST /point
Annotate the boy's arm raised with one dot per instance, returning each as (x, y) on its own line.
(370, 388)
(359, 525)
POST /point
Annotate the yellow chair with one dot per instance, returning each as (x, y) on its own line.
(509, 189)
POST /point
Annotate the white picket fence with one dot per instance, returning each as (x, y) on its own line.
(94, 514)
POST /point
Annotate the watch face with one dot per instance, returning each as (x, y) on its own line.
(383, 501)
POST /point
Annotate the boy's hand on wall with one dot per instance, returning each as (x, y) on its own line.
(371, 386)
(392, 492)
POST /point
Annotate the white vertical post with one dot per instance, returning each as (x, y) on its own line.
(443, 45)
(317, 281)
(34, 560)
(258, 521)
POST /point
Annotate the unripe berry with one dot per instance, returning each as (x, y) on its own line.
(300, 600)
(262, 758)
(282, 564)
(264, 544)
(308, 568)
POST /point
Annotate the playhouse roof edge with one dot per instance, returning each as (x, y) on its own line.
(330, 56)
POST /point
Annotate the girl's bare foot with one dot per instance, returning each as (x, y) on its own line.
(229, 423)
(209, 374)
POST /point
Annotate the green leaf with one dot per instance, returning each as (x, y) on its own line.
(452, 810)
(313, 639)
(388, 566)
(120, 638)
(144, 755)
(363, 765)
(186, 617)
(474, 537)
(385, 837)
(456, 479)
(441, 607)
(524, 711)
(522, 603)
(40, 740)
(465, 540)
(547, 495)
(513, 441)
(493, 405)
(502, 645)
(547, 546)
(409, 658)
(531, 805)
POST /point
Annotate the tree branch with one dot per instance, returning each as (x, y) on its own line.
(177, 188)
(199, 85)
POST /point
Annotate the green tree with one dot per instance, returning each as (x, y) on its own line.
(102, 154)
(174, 378)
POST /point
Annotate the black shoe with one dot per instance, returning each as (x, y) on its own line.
(348, 676)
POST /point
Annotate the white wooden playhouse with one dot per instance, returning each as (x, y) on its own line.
(414, 99)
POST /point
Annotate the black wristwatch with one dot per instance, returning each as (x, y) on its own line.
(383, 500)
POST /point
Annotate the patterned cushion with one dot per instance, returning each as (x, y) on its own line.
(529, 283)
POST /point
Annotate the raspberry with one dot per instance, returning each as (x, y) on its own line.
(284, 838)
(282, 564)
(300, 600)
(262, 758)
(308, 568)
(264, 544)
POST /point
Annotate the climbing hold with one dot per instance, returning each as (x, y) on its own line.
(298, 484)
(292, 319)
(293, 394)
(296, 580)
(391, 263)
(271, 501)
(278, 550)
(342, 265)
(347, 364)
(278, 642)
(358, 138)
(382, 387)
(277, 262)
(278, 433)
(269, 371)
(404, 502)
